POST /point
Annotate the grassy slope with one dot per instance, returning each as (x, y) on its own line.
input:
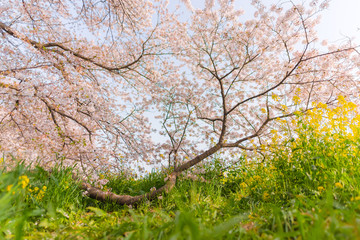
(305, 188)
(220, 208)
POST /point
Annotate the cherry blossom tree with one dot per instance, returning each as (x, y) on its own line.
(80, 79)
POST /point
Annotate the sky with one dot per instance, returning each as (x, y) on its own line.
(341, 19)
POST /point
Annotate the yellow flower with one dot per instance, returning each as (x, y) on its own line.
(296, 99)
(275, 97)
(243, 185)
(320, 188)
(338, 185)
(321, 105)
(272, 167)
(239, 196)
(284, 107)
(24, 181)
(341, 99)
(266, 196)
(257, 178)
(8, 188)
(351, 106)
(355, 198)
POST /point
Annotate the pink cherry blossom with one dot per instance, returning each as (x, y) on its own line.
(119, 84)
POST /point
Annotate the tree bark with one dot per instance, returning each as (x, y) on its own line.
(100, 195)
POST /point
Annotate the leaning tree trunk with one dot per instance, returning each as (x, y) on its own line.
(100, 195)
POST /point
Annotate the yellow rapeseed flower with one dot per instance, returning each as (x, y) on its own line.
(243, 185)
(257, 178)
(272, 167)
(24, 181)
(341, 99)
(239, 196)
(355, 198)
(275, 97)
(284, 108)
(296, 99)
(352, 105)
(224, 180)
(321, 105)
(40, 195)
(266, 196)
(338, 185)
(8, 188)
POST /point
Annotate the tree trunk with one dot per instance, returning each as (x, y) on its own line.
(100, 195)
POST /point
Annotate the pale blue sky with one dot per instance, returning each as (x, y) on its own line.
(341, 19)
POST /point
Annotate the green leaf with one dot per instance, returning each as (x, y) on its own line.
(99, 212)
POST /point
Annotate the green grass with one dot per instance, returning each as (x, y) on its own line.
(305, 188)
(219, 208)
